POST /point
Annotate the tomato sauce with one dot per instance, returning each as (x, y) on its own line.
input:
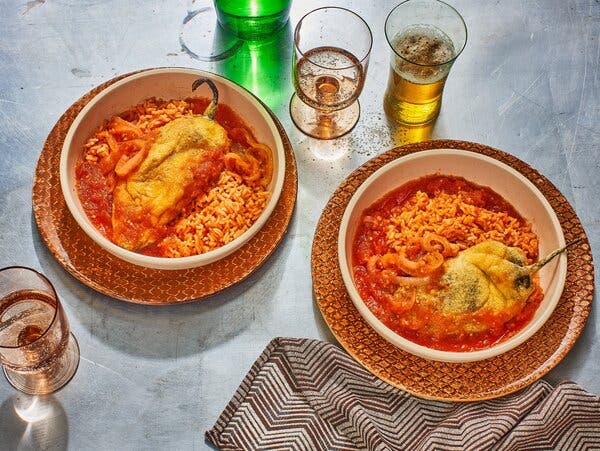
(412, 320)
(95, 195)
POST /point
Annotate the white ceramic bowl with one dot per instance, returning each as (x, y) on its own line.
(167, 83)
(482, 170)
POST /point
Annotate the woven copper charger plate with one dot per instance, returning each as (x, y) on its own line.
(472, 381)
(102, 271)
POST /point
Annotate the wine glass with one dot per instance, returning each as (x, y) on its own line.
(331, 54)
(38, 353)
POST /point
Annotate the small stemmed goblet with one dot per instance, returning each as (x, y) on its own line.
(38, 353)
(331, 54)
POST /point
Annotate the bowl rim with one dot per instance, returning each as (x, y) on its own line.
(419, 350)
(170, 263)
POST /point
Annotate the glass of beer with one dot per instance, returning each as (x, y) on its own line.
(38, 353)
(252, 19)
(425, 37)
(331, 54)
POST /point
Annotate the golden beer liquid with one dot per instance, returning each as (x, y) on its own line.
(412, 103)
(414, 91)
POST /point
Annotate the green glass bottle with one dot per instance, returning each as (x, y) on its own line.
(252, 19)
(263, 67)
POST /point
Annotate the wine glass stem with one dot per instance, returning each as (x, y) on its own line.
(325, 120)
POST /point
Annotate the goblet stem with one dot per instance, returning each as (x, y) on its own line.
(326, 124)
(323, 125)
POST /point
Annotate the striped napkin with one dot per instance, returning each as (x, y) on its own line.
(304, 394)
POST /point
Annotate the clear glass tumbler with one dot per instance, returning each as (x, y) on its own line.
(38, 353)
(425, 38)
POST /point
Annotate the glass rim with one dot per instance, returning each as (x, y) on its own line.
(360, 60)
(451, 60)
(58, 305)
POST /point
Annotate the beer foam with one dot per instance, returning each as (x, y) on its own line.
(425, 53)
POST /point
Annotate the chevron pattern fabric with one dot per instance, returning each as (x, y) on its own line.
(304, 394)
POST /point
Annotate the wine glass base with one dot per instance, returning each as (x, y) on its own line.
(50, 378)
(320, 125)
